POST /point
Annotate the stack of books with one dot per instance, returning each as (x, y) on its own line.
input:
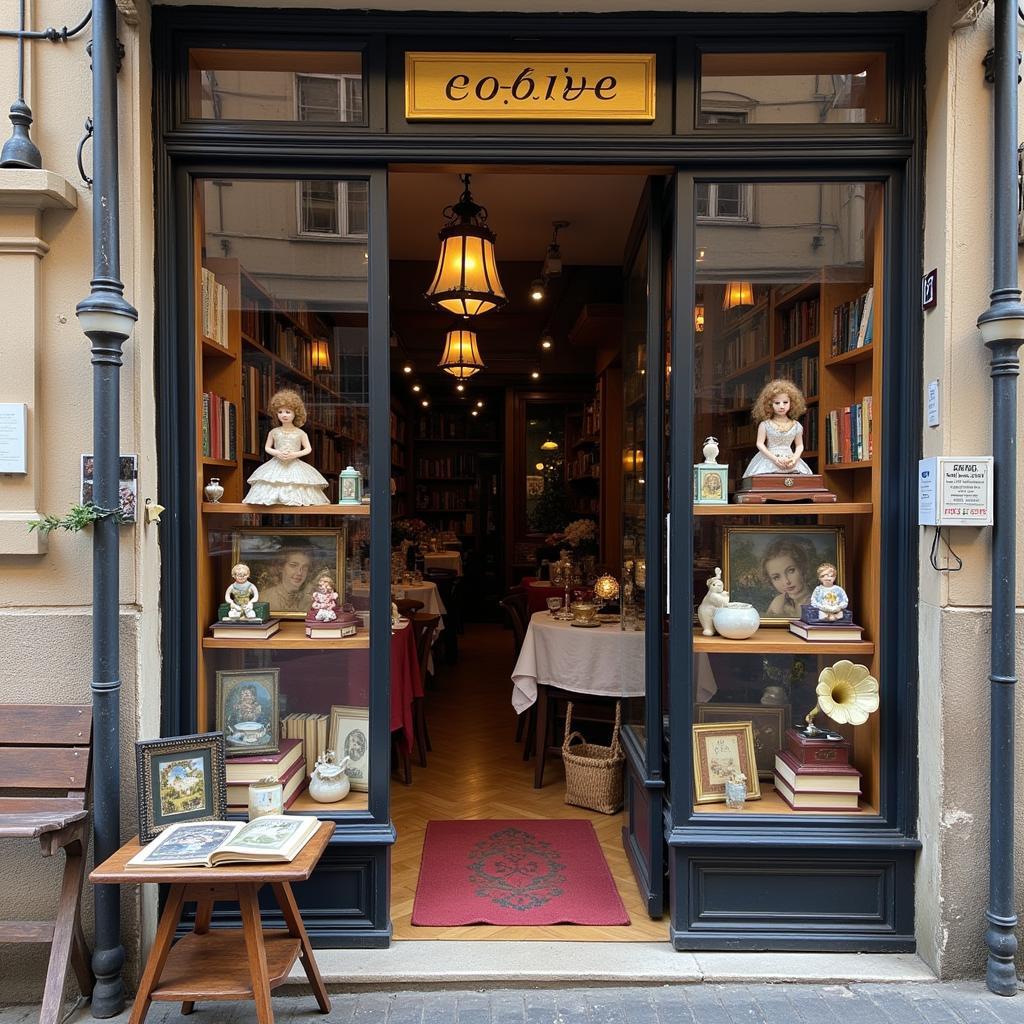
(287, 766)
(312, 730)
(814, 774)
(247, 629)
(825, 632)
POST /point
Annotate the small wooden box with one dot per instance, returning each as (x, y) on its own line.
(811, 750)
(710, 484)
(756, 490)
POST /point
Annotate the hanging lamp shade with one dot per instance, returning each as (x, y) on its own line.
(738, 293)
(466, 280)
(320, 355)
(461, 356)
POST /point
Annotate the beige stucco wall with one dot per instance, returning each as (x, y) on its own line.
(952, 883)
(45, 599)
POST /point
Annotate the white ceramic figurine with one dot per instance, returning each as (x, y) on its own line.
(716, 597)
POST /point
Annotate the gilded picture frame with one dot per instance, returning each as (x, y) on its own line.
(247, 698)
(180, 778)
(284, 564)
(774, 567)
(719, 749)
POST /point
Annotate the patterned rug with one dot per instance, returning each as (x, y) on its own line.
(515, 873)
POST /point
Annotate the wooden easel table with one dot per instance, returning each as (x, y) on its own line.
(223, 964)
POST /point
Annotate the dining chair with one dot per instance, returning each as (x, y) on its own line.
(407, 605)
(423, 625)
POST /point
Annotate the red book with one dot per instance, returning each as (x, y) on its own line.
(253, 767)
(292, 783)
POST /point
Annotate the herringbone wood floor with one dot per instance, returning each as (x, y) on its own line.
(476, 771)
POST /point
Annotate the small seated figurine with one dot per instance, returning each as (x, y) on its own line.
(828, 597)
(325, 600)
(779, 434)
(241, 595)
(285, 479)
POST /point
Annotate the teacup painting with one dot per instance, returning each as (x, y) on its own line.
(247, 710)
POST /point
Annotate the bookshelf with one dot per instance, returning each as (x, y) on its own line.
(826, 333)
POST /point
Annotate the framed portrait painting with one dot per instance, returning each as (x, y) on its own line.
(180, 778)
(285, 564)
(774, 567)
(349, 736)
(248, 711)
(768, 723)
(719, 750)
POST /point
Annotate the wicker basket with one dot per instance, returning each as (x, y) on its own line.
(593, 773)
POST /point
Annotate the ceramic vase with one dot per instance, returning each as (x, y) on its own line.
(214, 491)
(328, 784)
(737, 620)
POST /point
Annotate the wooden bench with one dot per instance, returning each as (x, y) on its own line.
(46, 748)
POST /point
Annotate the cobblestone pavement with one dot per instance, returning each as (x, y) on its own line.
(927, 1003)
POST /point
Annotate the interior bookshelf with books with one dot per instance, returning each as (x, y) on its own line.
(819, 325)
(275, 313)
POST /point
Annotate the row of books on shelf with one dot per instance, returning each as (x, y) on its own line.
(583, 464)
(453, 427)
(397, 428)
(853, 324)
(458, 464)
(592, 417)
(327, 452)
(801, 370)
(799, 323)
(849, 433)
(397, 454)
(457, 497)
(739, 394)
(219, 427)
(214, 307)
(257, 387)
(750, 345)
(294, 349)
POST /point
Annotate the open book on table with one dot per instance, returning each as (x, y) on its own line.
(274, 838)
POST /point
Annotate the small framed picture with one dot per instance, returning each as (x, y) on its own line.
(719, 750)
(285, 564)
(180, 778)
(349, 736)
(774, 567)
(710, 485)
(768, 722)
(248, 710)
(127, 485)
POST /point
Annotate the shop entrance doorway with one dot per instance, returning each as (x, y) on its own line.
(497, 471)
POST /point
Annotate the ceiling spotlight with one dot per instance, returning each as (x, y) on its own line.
(547, 342)
(480, 404)
(425, 403)
(535, 374)
(416, 388)
(537, 289)
(473, 412)
(407, 368)
(553, 258)
(538, 466)
(460, 387)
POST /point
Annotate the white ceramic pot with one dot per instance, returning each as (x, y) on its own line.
(737, 620)
(329, 783)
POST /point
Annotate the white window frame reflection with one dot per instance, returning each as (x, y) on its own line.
(349, 205)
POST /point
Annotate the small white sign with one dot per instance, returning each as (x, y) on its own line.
(933, 403)
(955, 491)
(13, 437)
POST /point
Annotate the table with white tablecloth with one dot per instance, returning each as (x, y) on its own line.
(426, 592)
(450, 560)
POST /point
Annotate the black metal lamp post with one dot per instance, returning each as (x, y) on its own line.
(1002, 330)
(107, 318)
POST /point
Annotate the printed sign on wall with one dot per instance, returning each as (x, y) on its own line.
(529, 86)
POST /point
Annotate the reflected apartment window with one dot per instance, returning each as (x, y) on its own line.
(331, 208)
(725, 201)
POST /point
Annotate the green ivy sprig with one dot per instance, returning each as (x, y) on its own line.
(77, 519)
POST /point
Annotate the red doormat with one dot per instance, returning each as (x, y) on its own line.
(515, 872)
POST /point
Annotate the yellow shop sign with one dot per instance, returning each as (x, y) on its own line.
(529, 86)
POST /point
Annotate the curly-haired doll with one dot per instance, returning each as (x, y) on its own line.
(285, 479)
(780, 437)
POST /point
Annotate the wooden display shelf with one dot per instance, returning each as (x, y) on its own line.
(305, 804)
(240, 508)
(772, 803)
(777, 640)
(743, 371)
(796, 349)
(855, 355)
(290, 637)
(863, 464)
(207, 461)
(212, 348)
(849, 508)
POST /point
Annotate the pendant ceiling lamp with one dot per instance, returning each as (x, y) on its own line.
(466, 280)
(461, 356)
(738, 293)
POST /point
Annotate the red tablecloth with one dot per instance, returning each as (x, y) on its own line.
(312, 683)
(537, 597)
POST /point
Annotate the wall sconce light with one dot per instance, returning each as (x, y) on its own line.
(738, 293)
(320, 352)
(466, 280)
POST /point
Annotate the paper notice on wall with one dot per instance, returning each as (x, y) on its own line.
(13, 437)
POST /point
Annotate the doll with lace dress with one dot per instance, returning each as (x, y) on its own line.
(779, 434)
(285, 479)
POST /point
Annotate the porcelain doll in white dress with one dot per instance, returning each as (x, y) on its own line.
(780, 437)
(285, 479)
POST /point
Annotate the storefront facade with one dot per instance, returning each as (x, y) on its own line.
(889, 877)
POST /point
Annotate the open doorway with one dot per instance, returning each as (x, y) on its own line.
(515, 487)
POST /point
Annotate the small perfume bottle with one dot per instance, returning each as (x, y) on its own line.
(736, 790)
